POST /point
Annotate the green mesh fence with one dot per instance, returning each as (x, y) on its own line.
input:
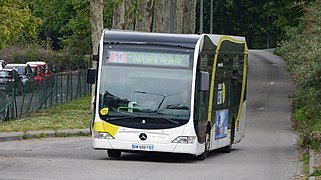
(60, 88)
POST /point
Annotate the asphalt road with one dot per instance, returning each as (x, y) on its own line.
(267, 151)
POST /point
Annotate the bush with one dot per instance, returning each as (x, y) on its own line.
(302, 51)
(59, 61)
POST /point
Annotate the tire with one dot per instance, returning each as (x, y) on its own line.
(113, 153)
(228, 149)
(207, 148)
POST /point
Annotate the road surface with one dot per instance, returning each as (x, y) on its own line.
(267, 151)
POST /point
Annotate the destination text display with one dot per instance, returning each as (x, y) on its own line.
(149, 58)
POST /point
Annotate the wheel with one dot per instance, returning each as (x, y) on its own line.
(113, 153)
(228, 149)
(207, 147)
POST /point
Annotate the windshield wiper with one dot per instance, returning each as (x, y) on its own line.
(164, 96)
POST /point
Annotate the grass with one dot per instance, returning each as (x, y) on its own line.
(317, 172)
(70, 115)
(305, 160)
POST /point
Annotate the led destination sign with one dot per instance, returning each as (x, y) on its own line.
(149, 58)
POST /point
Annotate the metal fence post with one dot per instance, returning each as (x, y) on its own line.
(33, 90)
(71, 86)
(61, 90)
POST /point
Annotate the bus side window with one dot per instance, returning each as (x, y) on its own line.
(205, 67)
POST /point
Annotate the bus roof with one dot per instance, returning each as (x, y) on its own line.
(112, 36)
(122, 36)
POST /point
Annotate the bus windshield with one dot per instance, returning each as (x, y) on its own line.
(138, 87)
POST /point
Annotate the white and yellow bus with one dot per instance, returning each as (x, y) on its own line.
(170, 93)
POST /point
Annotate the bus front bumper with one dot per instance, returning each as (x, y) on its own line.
(102, 144)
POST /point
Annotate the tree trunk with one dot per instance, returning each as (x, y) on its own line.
(129, 14)
(189, 19)
(144, 17)
(119, 15)
(158, 16)
(161, 17)
(96, 21)
(166, 16)
(154, 15)
(179, 15)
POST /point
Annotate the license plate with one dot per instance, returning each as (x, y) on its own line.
(144, 147)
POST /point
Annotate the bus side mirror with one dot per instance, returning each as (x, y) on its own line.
(205, 81)
(91, 76)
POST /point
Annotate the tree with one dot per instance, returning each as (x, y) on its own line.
(161, 19)
(17, 23)
(189, 20)
(119, 15)
(55, 16)
(263, 23)
(76, 34)
(145, 15)
(96, 22)
(153, 15)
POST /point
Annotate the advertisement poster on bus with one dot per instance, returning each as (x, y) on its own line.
(221, 123)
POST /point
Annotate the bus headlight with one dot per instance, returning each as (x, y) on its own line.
(102, 135)
(185, 140)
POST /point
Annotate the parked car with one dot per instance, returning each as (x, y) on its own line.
(25, 73)
(38, 72)
(2, 64)
(48, 72)
(9, 78)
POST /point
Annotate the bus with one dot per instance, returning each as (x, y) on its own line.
(174, 93)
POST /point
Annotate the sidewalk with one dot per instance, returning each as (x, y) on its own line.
(10, 136)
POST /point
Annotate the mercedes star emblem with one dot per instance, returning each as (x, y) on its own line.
(143, 136)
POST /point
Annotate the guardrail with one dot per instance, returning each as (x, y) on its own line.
(60, 88)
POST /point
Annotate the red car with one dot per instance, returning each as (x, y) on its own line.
(38, 71)
(42, 69)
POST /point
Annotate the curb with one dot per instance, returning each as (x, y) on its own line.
(311, 164)
(12, 136)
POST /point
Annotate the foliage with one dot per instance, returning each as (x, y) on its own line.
(316, 172)
(66, 25)
(263, 23)
(302, 52)
(59, 61)
(17, 23)
(76, 38)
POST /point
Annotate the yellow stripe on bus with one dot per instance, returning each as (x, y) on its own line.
(210, 106)
(243, 85)
(102, 126)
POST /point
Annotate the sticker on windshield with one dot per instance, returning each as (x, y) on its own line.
(104, 111)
